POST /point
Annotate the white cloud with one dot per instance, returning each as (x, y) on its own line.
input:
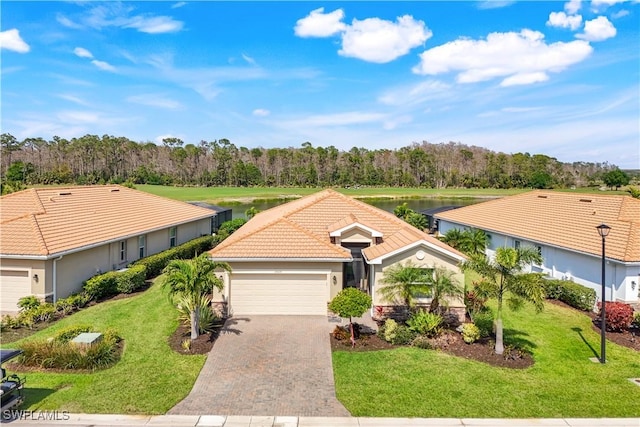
(606, 3)
(119, 14)
(572, 6)
(66, 22)
(320, 24)
(261, 112)
(154, 24)
(620, 14)
(519, 58)
(562, 20)
(416, 94)
(73, 98)
(103, 65)
(598, 29)
(380, 41)
(79, 117)
(178, 5)
(332, 120)
(82, 52)
(249, 59)
(155, 100)
(11, 40)
(494, 4)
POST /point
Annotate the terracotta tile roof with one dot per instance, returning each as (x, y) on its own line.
(300, 230)
(47, 221)
(566, 220)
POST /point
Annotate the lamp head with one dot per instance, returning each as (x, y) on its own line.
(603, 230)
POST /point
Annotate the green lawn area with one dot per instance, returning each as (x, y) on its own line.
(218, 194)
(246, 194)
(410, 382)
(149, 379)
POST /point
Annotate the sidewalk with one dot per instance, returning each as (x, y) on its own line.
(58, 419)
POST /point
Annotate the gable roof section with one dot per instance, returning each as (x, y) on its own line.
(300, 230)
(565, 220)
(44, 222)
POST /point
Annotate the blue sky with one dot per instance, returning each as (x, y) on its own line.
(556, 78)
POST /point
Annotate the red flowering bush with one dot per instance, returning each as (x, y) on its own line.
(619, 315)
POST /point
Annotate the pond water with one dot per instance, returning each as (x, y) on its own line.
(385, 204)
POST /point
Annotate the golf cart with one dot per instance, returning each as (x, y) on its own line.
(11, 387)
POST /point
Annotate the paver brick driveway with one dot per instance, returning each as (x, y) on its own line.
(267, 365)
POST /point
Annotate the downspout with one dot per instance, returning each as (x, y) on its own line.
(55, 277)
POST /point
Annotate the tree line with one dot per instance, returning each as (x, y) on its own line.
(92, 159)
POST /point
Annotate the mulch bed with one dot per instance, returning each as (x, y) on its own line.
(629, 339)
(201, 345)
(449, 342)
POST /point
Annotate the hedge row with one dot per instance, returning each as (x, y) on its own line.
(571, 293)
(116, 282)
(156, 263)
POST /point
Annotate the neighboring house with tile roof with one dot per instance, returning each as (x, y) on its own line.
(52, 239)
(294, 258)
(563, 227)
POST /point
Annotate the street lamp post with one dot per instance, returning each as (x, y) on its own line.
(603, 231)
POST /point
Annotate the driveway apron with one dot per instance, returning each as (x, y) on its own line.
(267, 365)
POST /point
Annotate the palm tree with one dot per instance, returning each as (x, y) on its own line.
(405, 282)
(417, 220)
(188, 280)
(442, 285)
(504, 274)
(452, 237)
(403, 211)
(474, 242)
(251, 212)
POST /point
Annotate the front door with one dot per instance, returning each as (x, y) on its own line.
(354, 272)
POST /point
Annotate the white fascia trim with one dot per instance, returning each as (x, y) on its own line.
(551, 245)
(98, 244)
(413, 245)
(338, 233)
(280, 259)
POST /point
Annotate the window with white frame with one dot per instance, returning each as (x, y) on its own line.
(173, 236)
(425, 274)
(142, 246)
(123, 250)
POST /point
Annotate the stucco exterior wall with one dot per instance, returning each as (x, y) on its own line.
(622, 280)
(421, 256)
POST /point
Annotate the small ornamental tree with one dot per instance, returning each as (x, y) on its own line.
(350, 302)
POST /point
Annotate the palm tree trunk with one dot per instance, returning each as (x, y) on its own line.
(499, 342)
(194, 325)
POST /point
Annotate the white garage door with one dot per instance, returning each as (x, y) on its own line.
(14, 284)
(279, 294)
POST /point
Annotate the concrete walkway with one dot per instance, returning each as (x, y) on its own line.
(277, 365)
(264, 421)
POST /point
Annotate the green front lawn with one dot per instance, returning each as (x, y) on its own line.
(410, 382)
(149, 379)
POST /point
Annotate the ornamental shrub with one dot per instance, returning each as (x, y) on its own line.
(422, 341)
(484, 322)
(67, 334)
(636, 320)
(350, 302)
(618, 317)
(131, 280)
(403, 336)
(571, 293)
(102, 285)
(389, 329)
(28, 303)
(470, 333)
(157, 262)
(425, 323)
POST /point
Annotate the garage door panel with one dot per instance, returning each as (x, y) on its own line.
(279, 294)
(15, 284)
